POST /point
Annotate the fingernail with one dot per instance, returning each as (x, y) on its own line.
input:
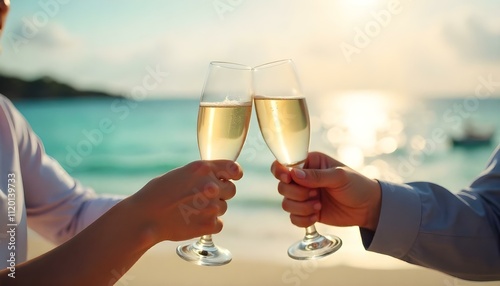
(317, 206)
(313, 193)
(299, 173)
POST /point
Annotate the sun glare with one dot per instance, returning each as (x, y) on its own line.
(361, 124)
(353, 8)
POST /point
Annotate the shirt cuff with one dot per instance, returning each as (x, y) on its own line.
(399, 221)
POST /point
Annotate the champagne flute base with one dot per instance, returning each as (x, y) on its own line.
(316, 247)
(204, 254)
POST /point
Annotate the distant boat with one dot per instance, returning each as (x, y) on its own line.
(474, 137)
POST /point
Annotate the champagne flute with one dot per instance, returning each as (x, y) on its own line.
(223, 120)
(284, 123)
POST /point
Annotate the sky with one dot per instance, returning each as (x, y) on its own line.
(409, 48)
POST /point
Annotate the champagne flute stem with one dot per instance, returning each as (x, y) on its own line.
(206, 240)
(311, 232)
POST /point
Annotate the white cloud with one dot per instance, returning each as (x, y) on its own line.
(474, 39)
(427, 48)
(56, 36)
(51, 36)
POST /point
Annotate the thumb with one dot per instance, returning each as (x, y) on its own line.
(319, 178)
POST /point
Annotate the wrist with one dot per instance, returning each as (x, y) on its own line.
(374, 206)
(133, 217)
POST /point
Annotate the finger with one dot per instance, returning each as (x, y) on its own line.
(281, 172)
(219, 189)
(296, 192)
(222, 206)
(227, 170)
(318, 160)
(217, 227)
(212, 189)
(336, 177)
(4, 5)
(227, 190)
(4, 9)
(303, 221)
(210, 225)
(301, 208)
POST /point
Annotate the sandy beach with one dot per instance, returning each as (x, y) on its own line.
(161, 266)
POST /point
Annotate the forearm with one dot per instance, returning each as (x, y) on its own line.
(98, 255)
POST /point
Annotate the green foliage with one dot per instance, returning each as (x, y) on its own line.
(42, 88)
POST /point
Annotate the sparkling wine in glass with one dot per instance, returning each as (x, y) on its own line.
(284, 123)
(223, 120)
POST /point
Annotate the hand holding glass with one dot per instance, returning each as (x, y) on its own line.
(284, 123)
(223, 120)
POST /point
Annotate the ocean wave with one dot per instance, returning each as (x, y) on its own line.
(126, 166)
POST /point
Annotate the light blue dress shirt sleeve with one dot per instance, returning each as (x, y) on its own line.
(458, 234)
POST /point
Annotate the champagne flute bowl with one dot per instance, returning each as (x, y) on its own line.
(223, 121)
(284, 123)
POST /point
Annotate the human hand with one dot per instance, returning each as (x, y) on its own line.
(187, 202)
(327, 191)
(4, 9)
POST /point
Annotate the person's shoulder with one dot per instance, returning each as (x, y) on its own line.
(8, 109)
(6, 105)
(4, 101)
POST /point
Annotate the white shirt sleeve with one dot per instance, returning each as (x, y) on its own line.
(57, 206)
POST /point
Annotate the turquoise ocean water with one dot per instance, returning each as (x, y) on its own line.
(116, 146)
